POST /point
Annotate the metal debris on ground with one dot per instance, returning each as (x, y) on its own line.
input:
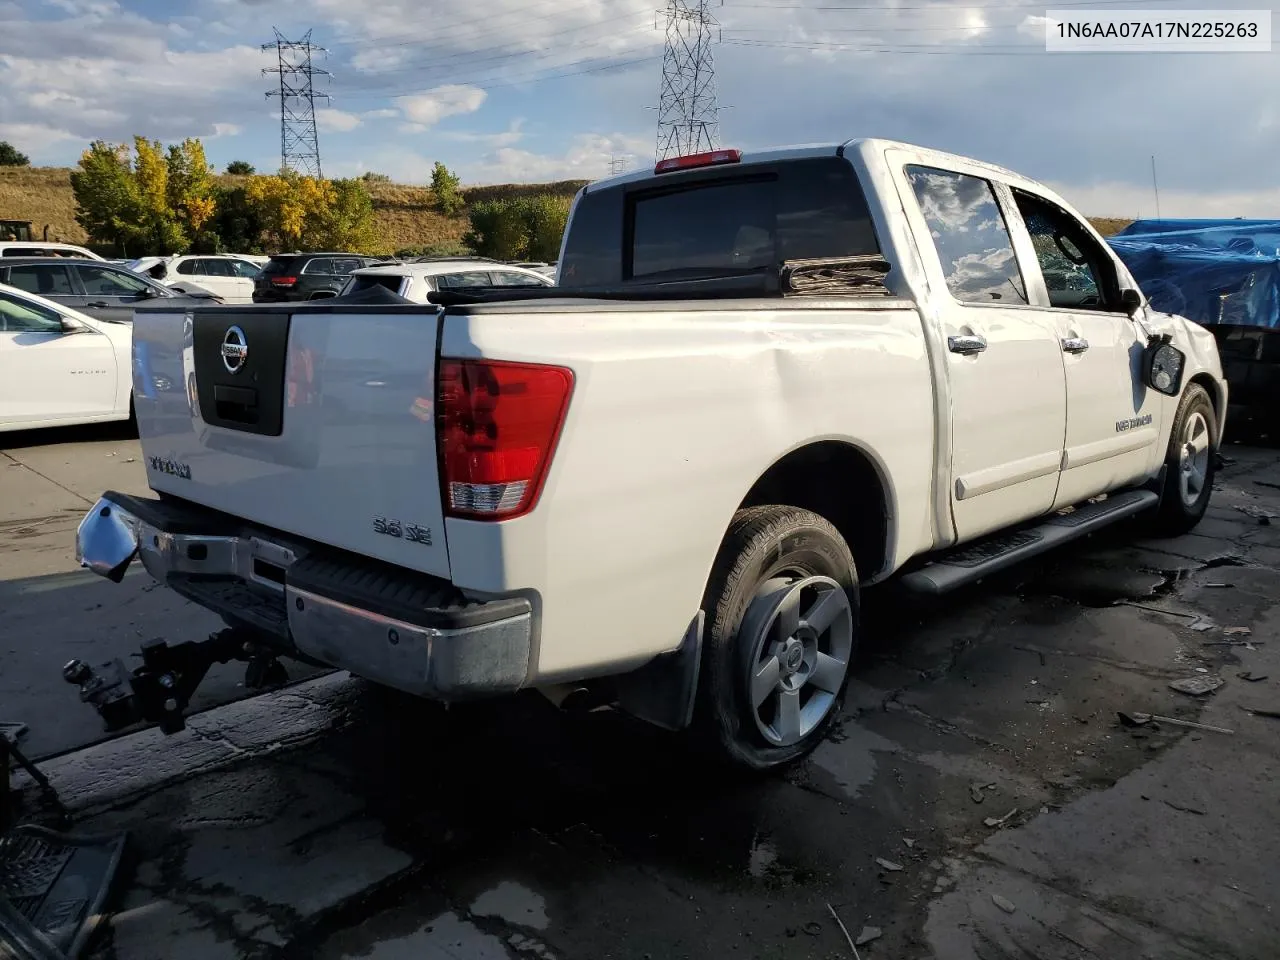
(1196, 686)
(1220, 586)
(1000, 821)
(1273, 712)
(976, 793)
(1184, 808)
(1141, 719)
(1261, 514)
(867, 935)
(1249, 675)
(909, 842)
(1267, 483)
(1237, 631)
(1005, 905)
(1201, 626)
(845, 931)
(813, 928)
(888, 865)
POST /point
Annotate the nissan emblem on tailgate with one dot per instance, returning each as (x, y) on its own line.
(235, 349)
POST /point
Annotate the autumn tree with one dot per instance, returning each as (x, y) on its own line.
(445, 186)
(148, 200)
(10, 156)
(303, 213)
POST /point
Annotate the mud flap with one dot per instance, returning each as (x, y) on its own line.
(53, 889)
(664, 690)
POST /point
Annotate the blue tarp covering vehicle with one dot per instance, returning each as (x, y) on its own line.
(1225, 275)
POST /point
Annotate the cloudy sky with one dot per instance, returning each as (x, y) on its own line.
(506, 90)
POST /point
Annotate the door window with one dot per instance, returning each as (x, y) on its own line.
(970, 235)
(212, 267)
(242, 268)
(475, 278)
(1077, 273)
(321, 266)
(101, 282)
(509, 278)
(344, 266)
(22, 316)
(190, 268)
(45, 280)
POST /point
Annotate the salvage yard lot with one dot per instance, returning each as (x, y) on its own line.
(980, 799)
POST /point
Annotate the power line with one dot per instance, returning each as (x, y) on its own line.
(299, 142)
(688, 115)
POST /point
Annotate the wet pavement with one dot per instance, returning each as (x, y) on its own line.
(982, 798)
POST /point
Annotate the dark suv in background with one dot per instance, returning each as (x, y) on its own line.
(306, 276)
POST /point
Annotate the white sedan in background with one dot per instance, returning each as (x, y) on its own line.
(59, 367)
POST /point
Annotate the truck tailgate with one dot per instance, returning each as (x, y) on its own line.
(314, 420)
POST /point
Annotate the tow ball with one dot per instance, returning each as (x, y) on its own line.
(159, 691)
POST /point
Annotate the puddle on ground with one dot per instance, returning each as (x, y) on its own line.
(445, 936)
(851, 760)
(517, 905)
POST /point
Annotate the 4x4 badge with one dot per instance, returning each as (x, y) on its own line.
(235, 349)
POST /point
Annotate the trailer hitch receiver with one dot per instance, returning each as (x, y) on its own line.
(159, 691)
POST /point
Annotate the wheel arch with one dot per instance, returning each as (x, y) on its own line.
(843, 482)
(1217, 397)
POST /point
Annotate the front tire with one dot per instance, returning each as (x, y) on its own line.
(1190, 464)
(781, 631)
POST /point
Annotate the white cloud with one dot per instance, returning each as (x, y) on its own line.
(428, 108)
(1127, 200)
(587, 158)
(226, 130)
(381, 114)
(329, 120)
(33, 137)
(506, 138)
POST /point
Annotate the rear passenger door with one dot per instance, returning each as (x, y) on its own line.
(1004, 365)
(1113, 420)
(52, 281)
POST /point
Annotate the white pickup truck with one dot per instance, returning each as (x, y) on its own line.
(764, 382)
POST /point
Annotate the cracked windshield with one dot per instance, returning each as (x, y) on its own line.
(604, 480)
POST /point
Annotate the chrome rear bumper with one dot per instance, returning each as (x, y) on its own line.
(402, 629)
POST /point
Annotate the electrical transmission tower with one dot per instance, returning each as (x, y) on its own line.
(299, 144)
(618, 164)
(688, 116)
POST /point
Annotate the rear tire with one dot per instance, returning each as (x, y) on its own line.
(781, 631)
(1190, 464)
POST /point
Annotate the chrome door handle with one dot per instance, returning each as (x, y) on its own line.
(98, 303)
(967, 345)
(1075, 344)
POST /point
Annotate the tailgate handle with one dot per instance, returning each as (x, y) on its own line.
(238, 404)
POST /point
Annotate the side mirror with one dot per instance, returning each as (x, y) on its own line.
(1130, 300)
(69, 327)
(1163, 365)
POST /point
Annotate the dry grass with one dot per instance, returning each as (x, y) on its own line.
(404, 213)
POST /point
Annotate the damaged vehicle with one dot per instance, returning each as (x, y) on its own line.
(763, 383)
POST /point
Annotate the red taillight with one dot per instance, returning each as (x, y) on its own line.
(283, 281)
(497, 426)
(709, 159)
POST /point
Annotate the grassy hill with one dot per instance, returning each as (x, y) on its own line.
(404, 213)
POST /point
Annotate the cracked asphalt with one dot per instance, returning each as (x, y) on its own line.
(982, 799)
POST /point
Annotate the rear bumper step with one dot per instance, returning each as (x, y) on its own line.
(406, 630)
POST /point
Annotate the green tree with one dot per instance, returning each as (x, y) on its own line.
(236, 226)
(496, 231)
(11, 157)
(545, 218)
(190, 186)
(371, 177)
(346, 222)
(304, 213)
(240, 168)
(108, 201)
(518, 228)
(445, 186)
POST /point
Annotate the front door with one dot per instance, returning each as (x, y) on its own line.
(1113, 420)
(110, 294)
(49, 372)
(1008, 407)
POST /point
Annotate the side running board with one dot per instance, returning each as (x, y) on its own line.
(973, 562)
